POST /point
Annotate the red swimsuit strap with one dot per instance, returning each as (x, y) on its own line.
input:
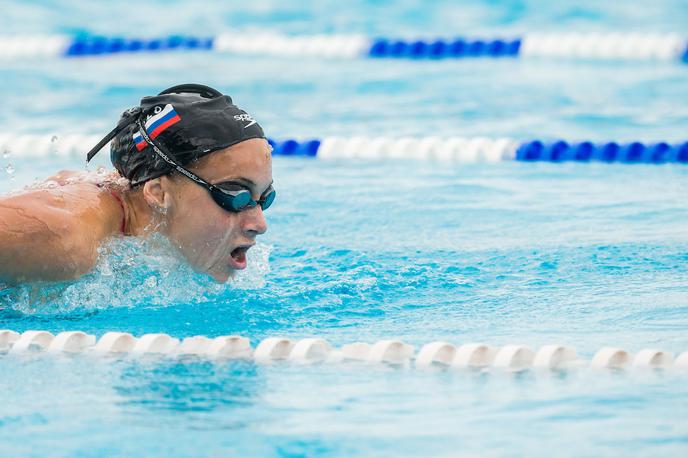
(124, 214)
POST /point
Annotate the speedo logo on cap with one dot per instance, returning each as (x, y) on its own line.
(157, 124)
(245, 117)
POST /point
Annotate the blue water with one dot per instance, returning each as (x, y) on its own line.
(580, 254)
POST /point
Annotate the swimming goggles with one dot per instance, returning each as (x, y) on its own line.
(232, 197)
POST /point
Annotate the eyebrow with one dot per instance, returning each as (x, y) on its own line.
(243, 180)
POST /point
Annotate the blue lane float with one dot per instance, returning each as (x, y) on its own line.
(588, 46)
(307, 148)
(92, 46)
(444, 49)
(633, 152)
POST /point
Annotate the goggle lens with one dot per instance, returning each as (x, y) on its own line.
(269, 198)
(239, 200)
(242, 200)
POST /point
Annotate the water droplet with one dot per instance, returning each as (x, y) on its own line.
(6, 153)
(101, 170)
(151, 282)
(53, 139)
(9, 169)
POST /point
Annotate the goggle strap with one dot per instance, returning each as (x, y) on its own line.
(129, 116)
(177, 166)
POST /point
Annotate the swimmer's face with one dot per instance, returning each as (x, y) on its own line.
(214, 240)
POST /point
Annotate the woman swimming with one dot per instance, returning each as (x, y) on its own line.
(190, 165)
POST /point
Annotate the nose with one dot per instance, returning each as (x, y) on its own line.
(254, 221)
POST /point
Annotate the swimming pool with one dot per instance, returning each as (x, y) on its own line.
(584, 254)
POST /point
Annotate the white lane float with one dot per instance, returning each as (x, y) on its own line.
(115, 342)
(229, 347)
(7, 339)
(633, 46)
(554, 356)
(612, 358)
(653, 358)
(473, 355)
(160, 344)
(440, 353)
(32, 341)
(196, 345)
(390, 351)
(71, 342)
(272, 349)
(513, 358)
(311, 350)
(682, 360)
(357, 351)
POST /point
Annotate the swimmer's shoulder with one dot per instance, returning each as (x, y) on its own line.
(48, 203)
(69, 196)
(56, 229)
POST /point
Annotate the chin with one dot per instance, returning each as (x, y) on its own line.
(221, 277)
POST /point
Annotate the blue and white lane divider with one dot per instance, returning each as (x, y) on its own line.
(614, 46)
(313, 350)
(452, 149)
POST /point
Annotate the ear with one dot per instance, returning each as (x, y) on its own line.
(156, 192)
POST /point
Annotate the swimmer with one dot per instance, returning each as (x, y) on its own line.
(190, 165)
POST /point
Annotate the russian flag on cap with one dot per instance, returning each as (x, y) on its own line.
(157, 124)
(139, 141)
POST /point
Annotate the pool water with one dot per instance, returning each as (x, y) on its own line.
(586, 255)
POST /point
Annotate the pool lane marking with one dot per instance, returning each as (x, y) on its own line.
(447, 149)
(572, 46)
(511, 358)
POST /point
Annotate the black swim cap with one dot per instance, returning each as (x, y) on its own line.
(189, 120)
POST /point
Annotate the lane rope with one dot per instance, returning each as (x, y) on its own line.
(315, 350)
(594, 46)
(450, 149)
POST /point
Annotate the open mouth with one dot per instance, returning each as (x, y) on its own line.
(238, 257)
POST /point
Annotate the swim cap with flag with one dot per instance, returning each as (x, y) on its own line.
(189, 120)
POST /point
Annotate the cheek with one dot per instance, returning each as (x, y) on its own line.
(200, 225)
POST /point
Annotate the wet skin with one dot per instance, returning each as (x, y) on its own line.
(54, 233)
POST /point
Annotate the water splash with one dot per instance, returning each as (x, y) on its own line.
(133, 273)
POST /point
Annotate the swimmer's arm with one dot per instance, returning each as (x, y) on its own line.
(40, 242)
